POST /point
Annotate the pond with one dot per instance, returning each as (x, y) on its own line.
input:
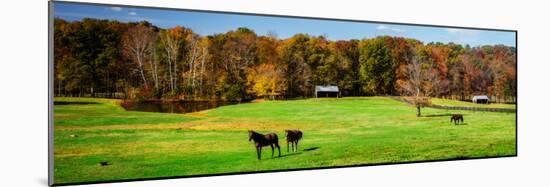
(174, 106)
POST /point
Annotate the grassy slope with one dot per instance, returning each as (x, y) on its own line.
(448, 102)
(342, 132)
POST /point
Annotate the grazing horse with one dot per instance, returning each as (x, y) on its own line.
(457, 118)
(293, 136)
(261, 140)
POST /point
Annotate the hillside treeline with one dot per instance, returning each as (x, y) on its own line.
(102, 58)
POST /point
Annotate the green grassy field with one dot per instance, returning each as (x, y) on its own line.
(337, 132)
(447, 102)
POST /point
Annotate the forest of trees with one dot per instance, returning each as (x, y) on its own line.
(102, 58)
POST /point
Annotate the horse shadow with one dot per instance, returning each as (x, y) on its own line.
(297, 153)
(437, 115)
(311, 149)
(289, 154)
(445, 115)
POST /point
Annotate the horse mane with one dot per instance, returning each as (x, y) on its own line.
(253, 132)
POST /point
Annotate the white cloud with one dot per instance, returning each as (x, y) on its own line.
(132, 13)
(387, 28)
(462, 31)
(463, 36)
(115, 8)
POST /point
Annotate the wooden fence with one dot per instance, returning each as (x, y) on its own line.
(117, 95)
(508, 110)
(480, 109)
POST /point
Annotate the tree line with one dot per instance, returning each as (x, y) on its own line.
(105, 58)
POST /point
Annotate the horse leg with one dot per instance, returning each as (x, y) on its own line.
(278, 148)
(297, 145)
(287, 146)
(272, 150)
(292, 143)
(259, 151)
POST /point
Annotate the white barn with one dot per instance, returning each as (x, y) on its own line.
(326, 91)
(480, 99)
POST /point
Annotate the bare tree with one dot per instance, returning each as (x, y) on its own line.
(193, 57)
(171, 43)
(204, 55)
(154, 69)
(422, 83)
(138, 45)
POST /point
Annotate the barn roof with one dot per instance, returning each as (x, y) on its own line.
(480, 97)
(319, 88)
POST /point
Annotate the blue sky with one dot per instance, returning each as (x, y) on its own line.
(205, 23)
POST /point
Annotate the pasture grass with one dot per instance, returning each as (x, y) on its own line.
(449, 102)
(337, 132)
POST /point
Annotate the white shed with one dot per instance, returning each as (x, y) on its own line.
(326, 91)
(480, 99)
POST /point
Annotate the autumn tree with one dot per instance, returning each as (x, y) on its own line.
(170, 40)
(138, 44)
(86, 53)
(103, 58)
(234, 52)
(375, 70)
(266, 79)
(203, 58)
(345, 55)
(62, 55)
(293, 57)
(422, 83)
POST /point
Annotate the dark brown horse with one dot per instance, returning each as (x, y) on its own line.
(457, 118)
(293, 136)
(261, 140)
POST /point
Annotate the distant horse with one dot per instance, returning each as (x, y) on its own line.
(261, 140)
(293, 136)
(457, 118)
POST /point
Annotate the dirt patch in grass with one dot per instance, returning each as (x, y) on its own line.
(196, 114)
(245, 124)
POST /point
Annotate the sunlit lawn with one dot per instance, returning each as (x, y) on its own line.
(344, 131)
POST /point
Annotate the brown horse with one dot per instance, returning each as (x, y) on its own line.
(457, 118)
(293, 136)
(261, 140)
